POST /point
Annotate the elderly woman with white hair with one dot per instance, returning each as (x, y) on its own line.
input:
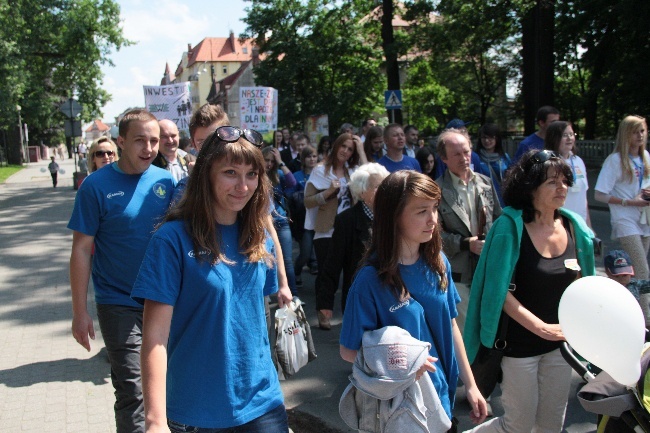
(351, 234)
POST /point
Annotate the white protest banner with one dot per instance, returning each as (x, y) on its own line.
(170, 102)
(259, 108)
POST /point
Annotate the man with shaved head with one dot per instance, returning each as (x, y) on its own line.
(170, 156)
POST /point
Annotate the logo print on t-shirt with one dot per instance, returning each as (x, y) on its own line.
(396, 307)
(115, 194)
(160, 190)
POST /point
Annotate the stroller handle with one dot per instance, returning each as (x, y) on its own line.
(575, 363)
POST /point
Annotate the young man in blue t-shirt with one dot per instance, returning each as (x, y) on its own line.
(115, 211)
(395, 160)
(545, 116)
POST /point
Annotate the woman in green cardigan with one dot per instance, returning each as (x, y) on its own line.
(546, 248)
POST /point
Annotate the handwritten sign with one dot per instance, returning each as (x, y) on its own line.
(316, 127)
(259, 108)
(171, 102)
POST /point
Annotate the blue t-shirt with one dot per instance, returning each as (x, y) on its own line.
(533, 141)
(220, 373)
(120, 210)
(407, 163)
(301, 181)
(426, 316)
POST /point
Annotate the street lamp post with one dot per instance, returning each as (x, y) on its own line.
(20, 128)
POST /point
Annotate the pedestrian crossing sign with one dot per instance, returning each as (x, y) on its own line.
(393, 99)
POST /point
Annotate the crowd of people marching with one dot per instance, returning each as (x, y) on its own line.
(185, 247)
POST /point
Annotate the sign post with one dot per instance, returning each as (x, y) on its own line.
(71, 109)
(392, 102)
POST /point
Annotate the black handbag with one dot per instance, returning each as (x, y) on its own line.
(486, 367)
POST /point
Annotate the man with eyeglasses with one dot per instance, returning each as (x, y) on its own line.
(116, 210)
(545, 116)
(170, 156)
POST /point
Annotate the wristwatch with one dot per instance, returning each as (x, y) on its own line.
(282, 164)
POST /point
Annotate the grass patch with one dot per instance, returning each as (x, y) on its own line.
(5, 172)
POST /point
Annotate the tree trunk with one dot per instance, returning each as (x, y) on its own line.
(538, 60)
(390, 53)
(14, 149)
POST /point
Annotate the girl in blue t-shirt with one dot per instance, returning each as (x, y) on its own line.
(206, 361)
(407, 283)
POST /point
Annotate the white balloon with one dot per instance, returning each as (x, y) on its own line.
(603, 322)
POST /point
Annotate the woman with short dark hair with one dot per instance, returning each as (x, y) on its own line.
(541, 248)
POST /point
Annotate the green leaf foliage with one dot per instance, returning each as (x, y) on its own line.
(317, 54)
(50, 50)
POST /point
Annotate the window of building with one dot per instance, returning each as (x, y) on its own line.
(225, 69)
(244, 50)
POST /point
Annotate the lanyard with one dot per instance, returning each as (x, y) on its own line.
(573, 169)
(640, 170)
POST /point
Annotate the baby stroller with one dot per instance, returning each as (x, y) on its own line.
(620, 409)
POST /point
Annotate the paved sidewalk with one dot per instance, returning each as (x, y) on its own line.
(49, 383)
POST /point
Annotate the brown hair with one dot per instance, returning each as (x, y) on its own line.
(353, 161)
(137, 115)
(206, 116)
(273, 172)
(196, 207)
(391, 198)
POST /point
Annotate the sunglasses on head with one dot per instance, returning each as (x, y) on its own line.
(542, 156)
(231, 134)
(101, 153)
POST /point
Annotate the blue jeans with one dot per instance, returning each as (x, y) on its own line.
(121, 328)
(286, 243)
(307, 255)
(274, 421)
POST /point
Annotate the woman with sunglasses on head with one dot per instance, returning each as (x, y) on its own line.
(532, 253)
(494, 160)
(327, 191)
(561, 139)
(206, 361)
(622, 184)
(405, 280)
(102, 152)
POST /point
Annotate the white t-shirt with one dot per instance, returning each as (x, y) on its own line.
(625, 220)
(576, 199)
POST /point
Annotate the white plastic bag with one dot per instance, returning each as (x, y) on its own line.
(293, 345)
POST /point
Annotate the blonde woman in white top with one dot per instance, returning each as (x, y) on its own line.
(620, 185)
